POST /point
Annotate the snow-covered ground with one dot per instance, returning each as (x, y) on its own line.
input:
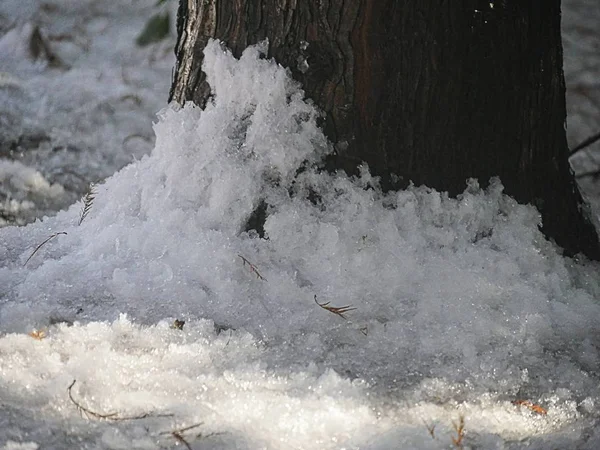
(81, 111)
(464, 312)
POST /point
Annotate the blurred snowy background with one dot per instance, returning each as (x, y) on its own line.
(78, 96)
(463, 309)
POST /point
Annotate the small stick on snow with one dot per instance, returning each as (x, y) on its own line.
(178, 434)
(83, 410)
(339, 311)
(253, 268)
(109, 416)
(255, 271)
(42, 244)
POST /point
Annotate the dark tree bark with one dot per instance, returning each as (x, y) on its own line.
(433, 91)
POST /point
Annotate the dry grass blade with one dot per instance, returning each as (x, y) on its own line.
(88, 201)
(255, 271)
(107, 416)
(460, 432)
(253, 268)
(178, 434)
(42, 244)
(430, 429)
(339, 311)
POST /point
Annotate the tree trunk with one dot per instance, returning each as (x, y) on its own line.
(433, 91)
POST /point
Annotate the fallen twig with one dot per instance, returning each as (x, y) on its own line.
(108, 416)
(253, 268)
(339, 311)
(42, 244)
(255, 271)
(178, 434)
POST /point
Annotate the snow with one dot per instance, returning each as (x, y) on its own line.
(462, 306)
(463, 309)
(25, 183)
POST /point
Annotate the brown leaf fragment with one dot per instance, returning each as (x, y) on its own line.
(530, 405)
(178, 324)
(38, 335)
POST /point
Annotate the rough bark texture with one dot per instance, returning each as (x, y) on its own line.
(434, 91)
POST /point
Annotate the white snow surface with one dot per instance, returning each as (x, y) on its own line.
(462, 306)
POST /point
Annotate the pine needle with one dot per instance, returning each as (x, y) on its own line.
(339, 311)
(88, 201)
(178, 434)
(253, 268)
(42, 244)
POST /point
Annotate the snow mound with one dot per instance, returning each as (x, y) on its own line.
(462, 306)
